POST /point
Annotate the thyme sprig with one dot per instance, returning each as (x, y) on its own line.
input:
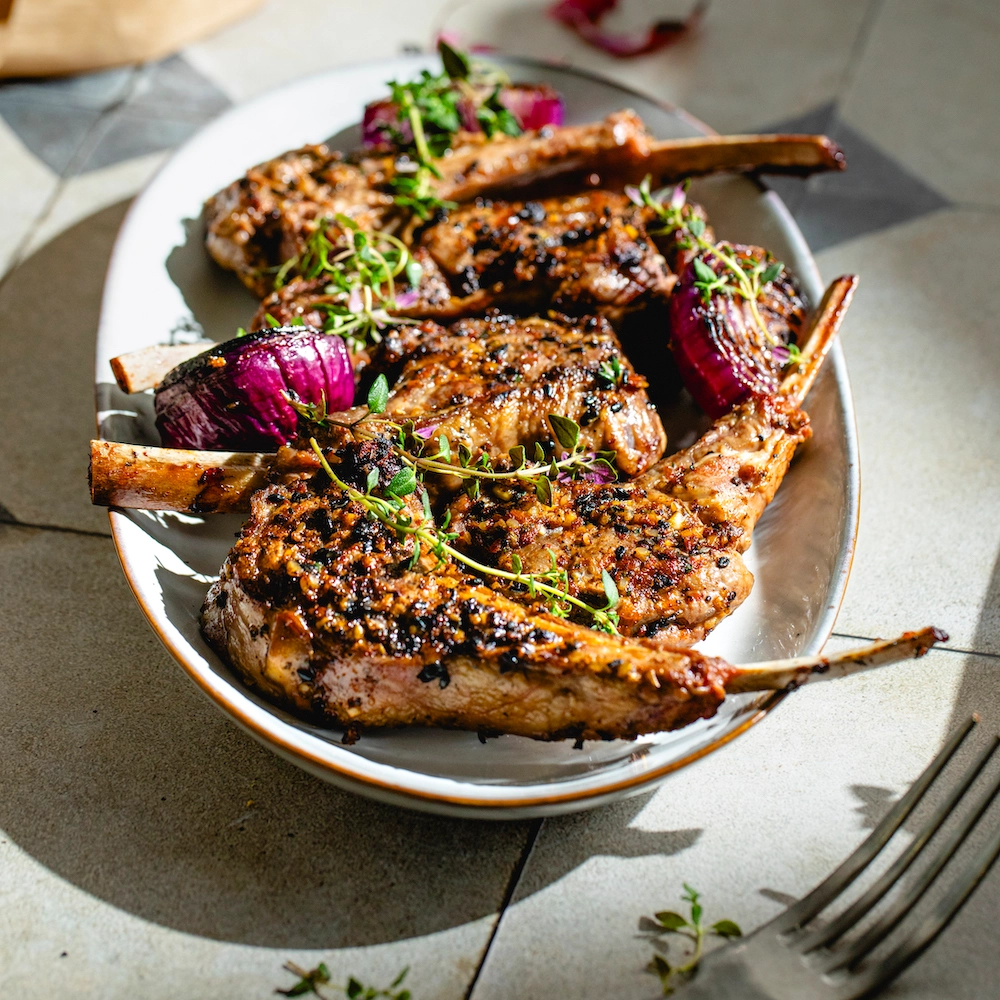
(317, 982)
(411, 447)
(361, 269)
(433, 106)
(573, 462)
(691, 927)
(732, 275)
(390, 507)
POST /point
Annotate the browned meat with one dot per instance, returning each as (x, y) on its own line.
(672, 539)
(317, 608)
(321, 609)
(490, 384)
(264, 218)
(586, 253)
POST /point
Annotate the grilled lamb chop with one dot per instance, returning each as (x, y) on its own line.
(490, 384)
(264, 219)
(580, 254)
(318, 607)
(673, 538)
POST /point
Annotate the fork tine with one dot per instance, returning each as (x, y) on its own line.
(878, 931)
(807, 907)
(823, 936)
(915, 945)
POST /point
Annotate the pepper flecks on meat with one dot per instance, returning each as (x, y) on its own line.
(673, 537)
(490, 384)
(365, 641)
(578, 254)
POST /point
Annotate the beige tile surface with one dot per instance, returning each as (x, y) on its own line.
(169, 856)
(289, 39)
(926, 90)
(50, 304)
(924, 360)
(28, 184)
(744, 67)
(165, 851)
(750, 827)
(87, 194)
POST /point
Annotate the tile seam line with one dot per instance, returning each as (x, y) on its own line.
(858, 48)
(63, 529)
(512, 884)
(83, 148)
(938, 648)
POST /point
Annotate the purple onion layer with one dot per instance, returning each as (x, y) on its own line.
(716, 349)
(234, 397)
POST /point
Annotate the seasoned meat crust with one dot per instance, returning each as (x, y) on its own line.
(491, 383)
(263, 219)
(673, 538)
(579, 254)
(317, 608)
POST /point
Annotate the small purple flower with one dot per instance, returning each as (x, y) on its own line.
(426, 432)
(678, 197)
(634, 194)
(406, 299)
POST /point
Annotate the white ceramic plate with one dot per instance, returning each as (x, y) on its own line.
(161, 287)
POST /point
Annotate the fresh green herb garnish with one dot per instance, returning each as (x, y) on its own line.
(691, 927)
(317, 981)
(612, 374)
(718, 268)
(541, 475)
(433, 107)
(361, 269)
(391, 509)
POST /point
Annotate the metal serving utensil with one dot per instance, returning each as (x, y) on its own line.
(785, 960)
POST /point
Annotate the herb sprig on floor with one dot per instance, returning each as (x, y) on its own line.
(317, 982)
(691, 927)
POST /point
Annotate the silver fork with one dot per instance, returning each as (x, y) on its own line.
(785, 961)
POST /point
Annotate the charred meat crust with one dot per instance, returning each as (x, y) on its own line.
(316, 607)
(674, 536)
(491, 383)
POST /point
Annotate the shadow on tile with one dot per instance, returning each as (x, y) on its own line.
(120, 778)
(566, 842)
(51, 307)
(980, 688)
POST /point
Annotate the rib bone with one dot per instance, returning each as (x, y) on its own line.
(145, 368)
(776, 675)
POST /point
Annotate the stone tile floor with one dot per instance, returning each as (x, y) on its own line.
(148, 848)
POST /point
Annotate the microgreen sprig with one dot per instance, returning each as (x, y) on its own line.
(391, 509)
(573, 462)
(361, 269)
(317, 982)
(432, 106)
(691, 927)
(733, 274)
